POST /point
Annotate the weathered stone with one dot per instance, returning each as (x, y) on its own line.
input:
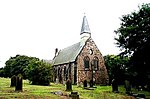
(19, 81)
(13, 81)
(127, 87)
(68, 85)
(85, 84)
(74, 95)
(100, 76)
(58, 93)
(114, 85)
(57, 80)
(91, 83)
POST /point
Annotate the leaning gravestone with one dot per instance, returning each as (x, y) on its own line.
(68, 85)
(127, 87)
(13, 81)
(19, 79)
(114, 85)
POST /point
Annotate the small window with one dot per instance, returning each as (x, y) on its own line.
(86, 62)
(96, 63)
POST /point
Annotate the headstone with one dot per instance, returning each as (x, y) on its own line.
(141, 95)
(13, 81)
(19, 79)
(57, 80)
(68, 85)
(74, 95)
(127, 87)
(85, 84)
(91, 83)
(114, 85)
(59, 93)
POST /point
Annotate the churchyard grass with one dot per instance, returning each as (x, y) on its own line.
(46, 92)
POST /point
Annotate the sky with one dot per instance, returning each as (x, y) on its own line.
(36, 27)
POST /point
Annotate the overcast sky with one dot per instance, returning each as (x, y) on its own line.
(37, 27)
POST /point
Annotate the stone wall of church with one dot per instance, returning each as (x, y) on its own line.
(99, 74)
(63, 72)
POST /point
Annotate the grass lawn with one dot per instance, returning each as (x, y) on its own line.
(44, 92)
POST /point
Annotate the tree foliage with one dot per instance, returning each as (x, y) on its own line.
(117, 67)
(133, 38)
(2, 72)
(134, 33)
(40, 72)
(17, 65)
(32, 68)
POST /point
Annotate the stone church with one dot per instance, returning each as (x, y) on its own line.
(81, 62)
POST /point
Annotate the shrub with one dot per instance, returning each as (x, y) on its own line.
(40, 74)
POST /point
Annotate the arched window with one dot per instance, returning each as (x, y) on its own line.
(96, 61)
(86, 62)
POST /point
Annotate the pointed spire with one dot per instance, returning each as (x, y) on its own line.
(85, 26)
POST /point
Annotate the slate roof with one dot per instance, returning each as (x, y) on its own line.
(68, 54)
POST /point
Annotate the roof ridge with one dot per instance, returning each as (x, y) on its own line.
(70, 46)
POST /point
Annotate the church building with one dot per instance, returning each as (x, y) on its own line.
(81, 62)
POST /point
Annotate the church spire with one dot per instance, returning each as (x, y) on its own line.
(85, 26)
(85, 30)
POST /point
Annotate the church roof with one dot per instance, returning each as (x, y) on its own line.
(85, 26)
(68, 54)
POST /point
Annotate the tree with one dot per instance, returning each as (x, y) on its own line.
(17, 65)
(2, 72)
(32, 68)
(133, 38)
(117, 67)
(40, 72)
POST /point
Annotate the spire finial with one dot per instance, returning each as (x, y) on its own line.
(84, 14)
(85, 26)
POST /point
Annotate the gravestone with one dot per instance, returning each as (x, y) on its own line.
(19, 80)
(91, 83)
(74, 95)
(68, 85)
(57, 80)
(114, 85)
(127, 87)
(60, 93)
(85, 84)
(13, 81)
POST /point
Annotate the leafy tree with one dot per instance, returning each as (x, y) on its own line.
(37, 71)
(133, 38)
(17, 65)
(40, 72)
(117, 67)
(2, 72)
